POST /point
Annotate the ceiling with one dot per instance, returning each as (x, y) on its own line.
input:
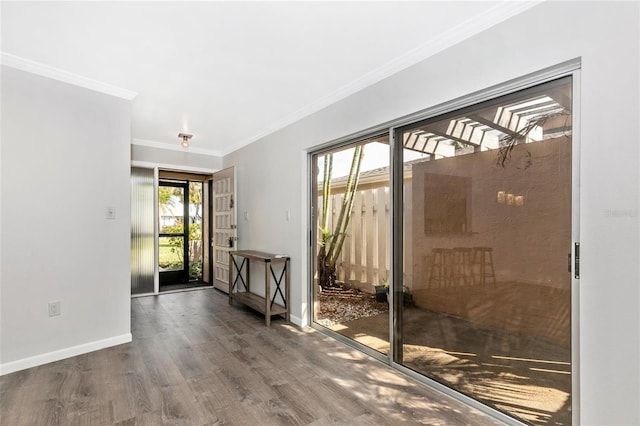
(232, 72)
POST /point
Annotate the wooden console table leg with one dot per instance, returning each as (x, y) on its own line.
(230, 278)
(248, 273)
(267, 295)
(286, 281)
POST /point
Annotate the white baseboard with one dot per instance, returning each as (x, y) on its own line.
(298, 321)
(34, 361)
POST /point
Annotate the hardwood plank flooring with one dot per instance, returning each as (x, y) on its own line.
(195, 360)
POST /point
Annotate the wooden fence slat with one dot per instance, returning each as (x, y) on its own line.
(408, 236)
(369, 235)
(356, 223)
(375, 279)
(383, 224)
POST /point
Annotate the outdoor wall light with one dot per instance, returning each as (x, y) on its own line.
(185, 139)
(509, 199)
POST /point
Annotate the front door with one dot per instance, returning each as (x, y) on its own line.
(173, 241)
(223, 216)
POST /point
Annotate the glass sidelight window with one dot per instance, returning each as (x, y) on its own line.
(142, 231)
(475, 270)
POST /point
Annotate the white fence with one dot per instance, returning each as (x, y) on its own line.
(365, 257)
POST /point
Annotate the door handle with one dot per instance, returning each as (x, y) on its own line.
(576, 261)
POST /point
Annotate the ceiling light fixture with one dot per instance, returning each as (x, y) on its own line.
(185, 139)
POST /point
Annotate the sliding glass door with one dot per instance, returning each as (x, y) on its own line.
(351, 258)
(489, 224)
(477, 267)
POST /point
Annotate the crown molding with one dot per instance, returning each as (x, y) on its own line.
(466, 29)
(38, 68)
(175, 147)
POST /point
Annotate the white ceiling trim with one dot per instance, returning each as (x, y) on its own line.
(466, 29)
(176, 147)
(38, 68)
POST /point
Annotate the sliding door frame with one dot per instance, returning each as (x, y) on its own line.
(395, 128)
(567, 69)
(342, 143)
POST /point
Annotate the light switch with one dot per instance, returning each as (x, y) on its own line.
(111, 213)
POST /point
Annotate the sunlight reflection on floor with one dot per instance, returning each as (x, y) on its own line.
(481, 364)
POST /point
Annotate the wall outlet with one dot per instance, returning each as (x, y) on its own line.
(54, 308)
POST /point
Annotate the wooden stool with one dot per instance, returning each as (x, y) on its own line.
(483, 257)
(440, 270)
(462, 266)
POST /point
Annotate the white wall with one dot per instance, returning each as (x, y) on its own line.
(65, 160)
(272, 173)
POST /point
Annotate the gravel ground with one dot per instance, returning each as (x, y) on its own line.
(339, 305)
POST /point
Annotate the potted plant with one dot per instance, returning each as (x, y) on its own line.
(381, 291)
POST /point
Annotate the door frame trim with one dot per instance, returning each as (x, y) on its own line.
(575, 235)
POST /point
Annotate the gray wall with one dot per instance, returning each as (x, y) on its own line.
(65, 161)
(272, 172)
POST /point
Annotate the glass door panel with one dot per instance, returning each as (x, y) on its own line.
(351, 268)
(487, 232)
(171, 253)
(173, 259)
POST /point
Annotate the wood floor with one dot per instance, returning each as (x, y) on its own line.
(195, 360)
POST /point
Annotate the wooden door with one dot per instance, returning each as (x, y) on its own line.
(224, 234)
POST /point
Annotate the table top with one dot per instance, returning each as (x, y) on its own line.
(260, 255)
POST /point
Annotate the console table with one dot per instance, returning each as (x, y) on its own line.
(240, 284)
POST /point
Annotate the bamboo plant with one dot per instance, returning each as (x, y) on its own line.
(332, 240)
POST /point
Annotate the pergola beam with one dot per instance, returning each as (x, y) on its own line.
(501, 119)
(425, 142)
(463, 132)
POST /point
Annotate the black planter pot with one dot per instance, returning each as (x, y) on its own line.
(381, 293)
